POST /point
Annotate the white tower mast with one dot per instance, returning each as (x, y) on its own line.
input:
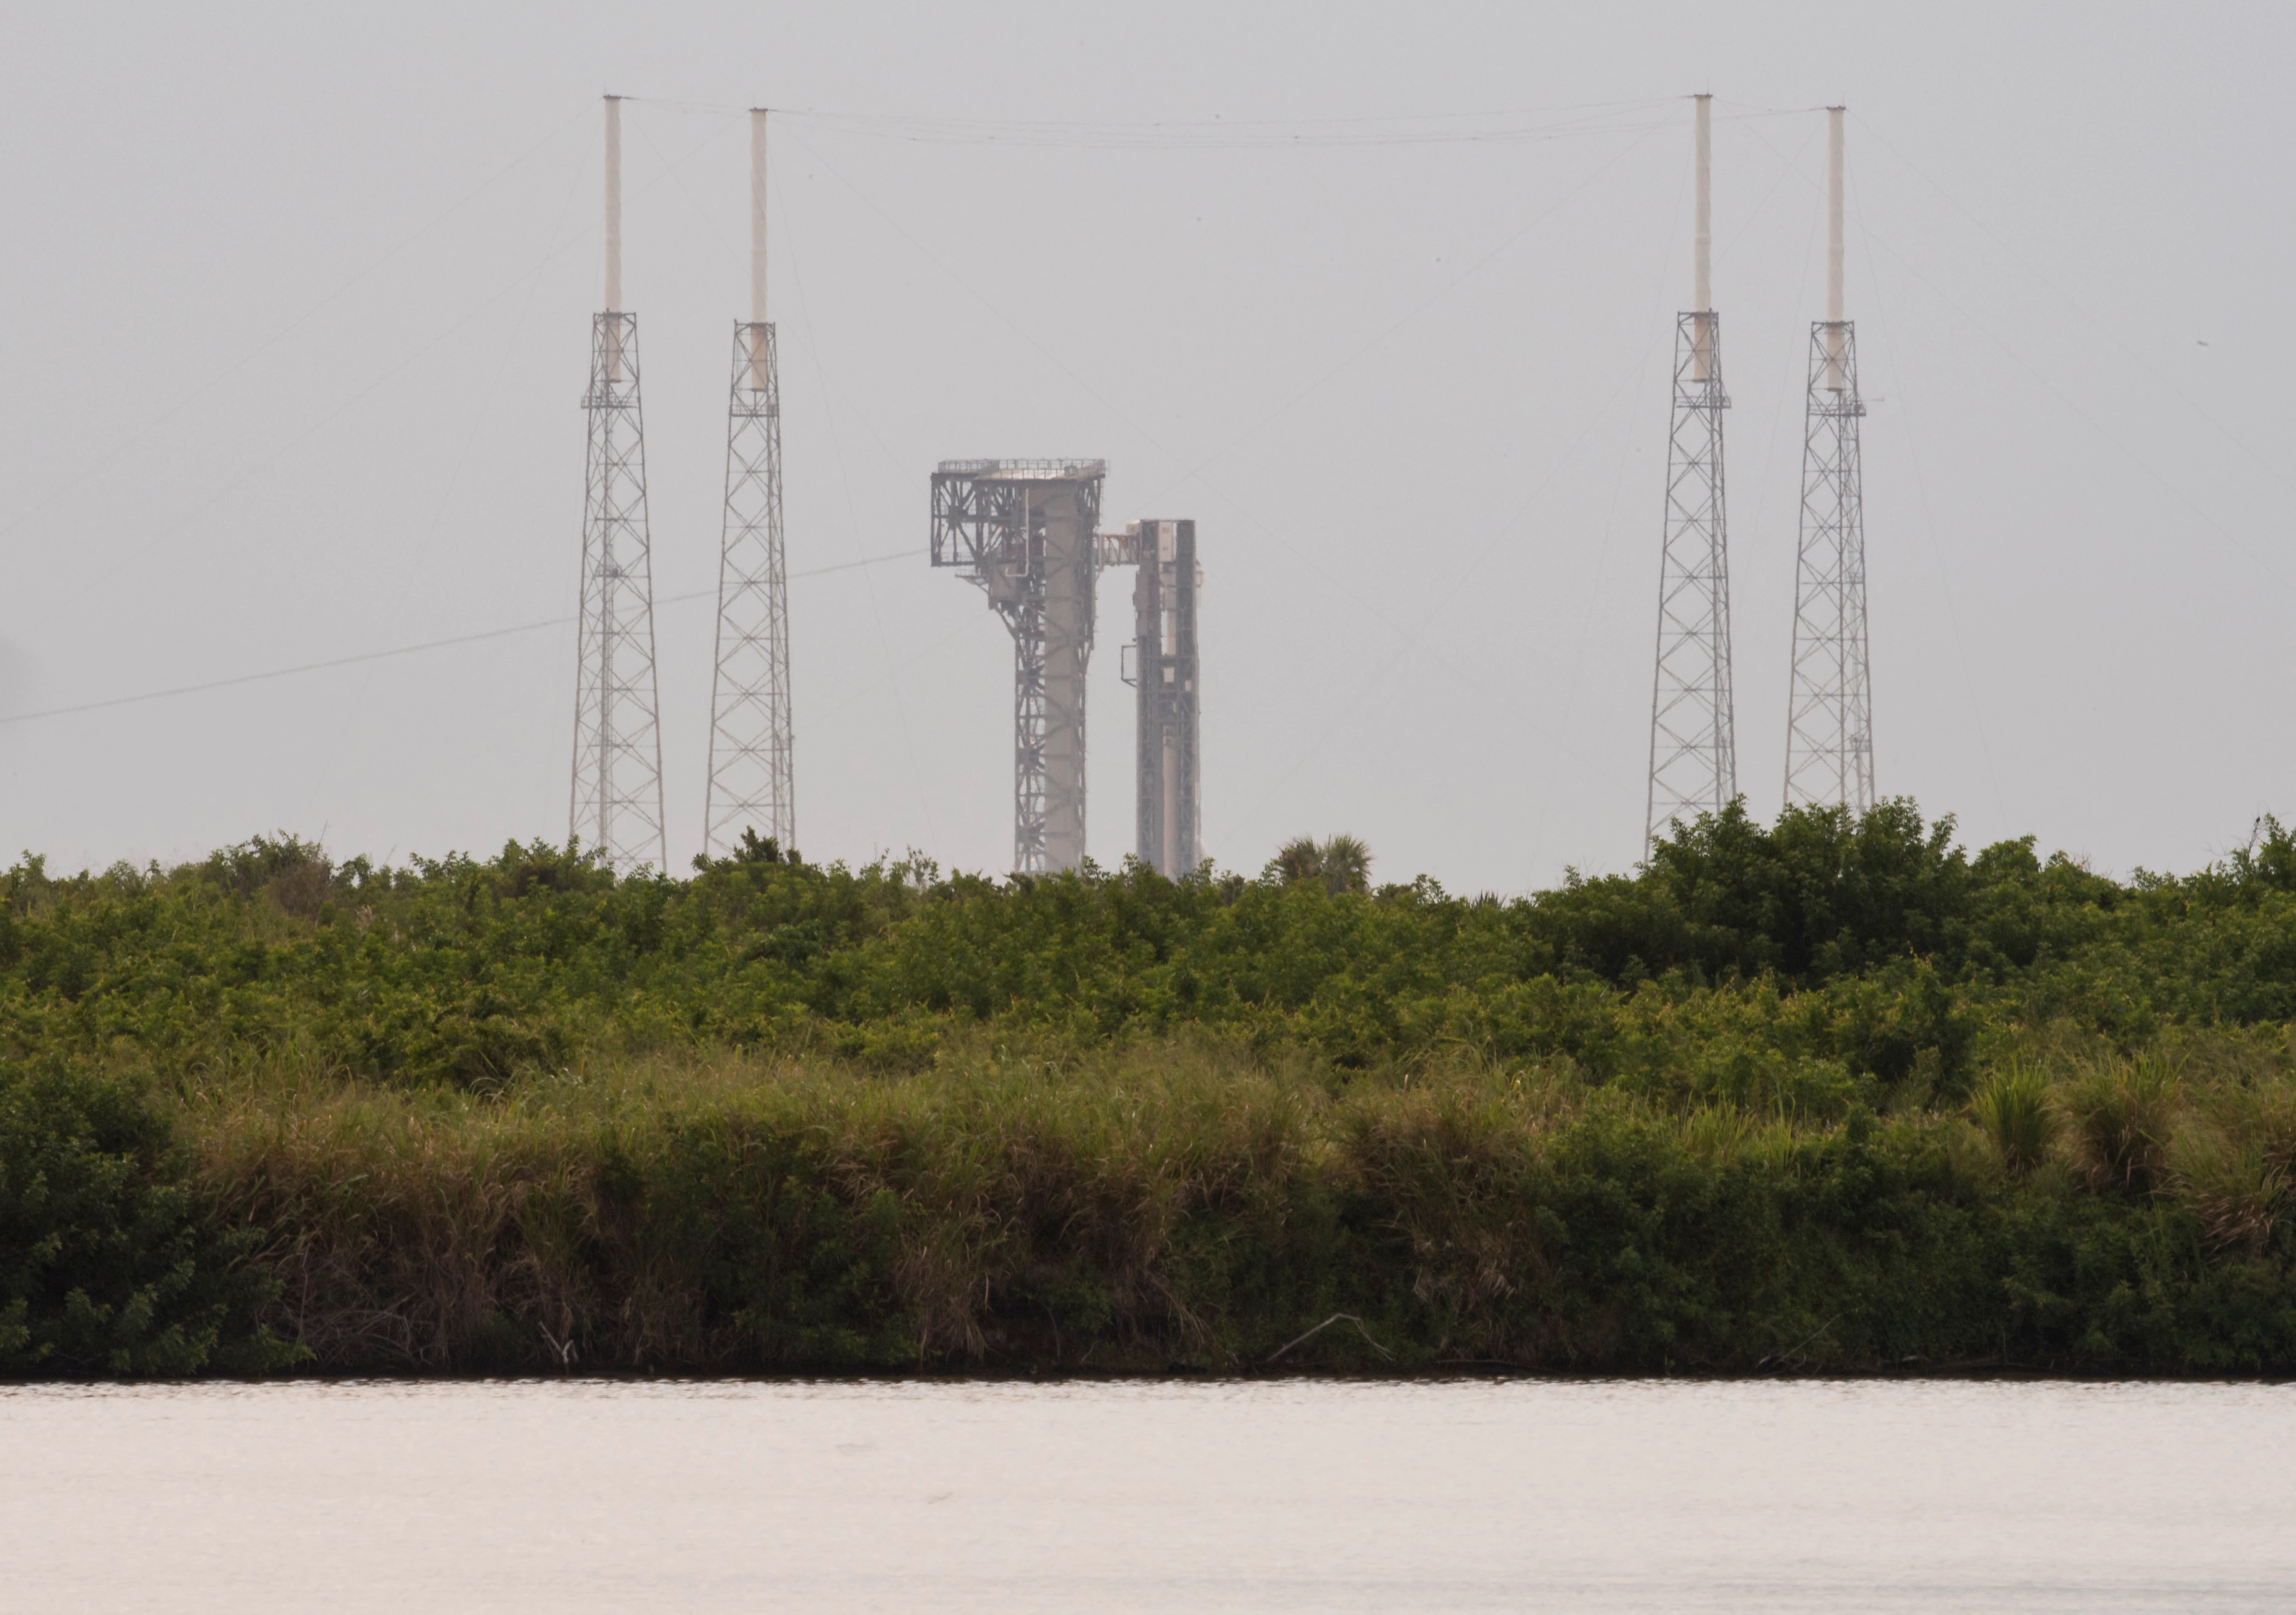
(752, 785)
(615, 800)
(1693, 762)
(1830, 713)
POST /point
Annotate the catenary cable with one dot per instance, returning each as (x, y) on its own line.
(398, 651)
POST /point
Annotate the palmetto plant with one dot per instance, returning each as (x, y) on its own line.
(2233, 1185)
(1347, 864)
(1342, 862)
(2014, 1109)
(2123, 1116)
(1302, 859)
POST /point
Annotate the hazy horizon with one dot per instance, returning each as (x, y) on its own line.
(1382, 298)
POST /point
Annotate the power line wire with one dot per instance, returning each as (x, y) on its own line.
(470, 442)
(395, 651)
(926, 799)
(1195, 473)
(1518, 126)
(2107, 328)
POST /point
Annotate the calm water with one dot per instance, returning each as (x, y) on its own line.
(569, 1496)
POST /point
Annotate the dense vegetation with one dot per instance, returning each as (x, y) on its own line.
(1827, 1093)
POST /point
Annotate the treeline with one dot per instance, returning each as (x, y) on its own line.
(1830, 1093)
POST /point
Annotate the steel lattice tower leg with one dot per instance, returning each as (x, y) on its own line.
(1025, 617)
(1830, 713)
(1830, 717)
(1693, 759)
(751, 776)
(1693, 725)
(616, 799)
(617, 790)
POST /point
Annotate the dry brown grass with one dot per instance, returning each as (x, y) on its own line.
(409, 1228)
(2205, 1115)
(1022, 1202)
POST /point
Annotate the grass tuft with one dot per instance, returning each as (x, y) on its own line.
(2122, 1115)
(2013, 1106)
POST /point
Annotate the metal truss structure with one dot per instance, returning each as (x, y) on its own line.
(1693, 765)
(1829, 714)
(752, 771)
(1023, 531)
(1161, 664)
(616, 800)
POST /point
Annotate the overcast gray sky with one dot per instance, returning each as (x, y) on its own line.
(298, 312)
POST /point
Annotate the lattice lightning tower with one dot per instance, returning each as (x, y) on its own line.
(616, 807)
(1830, 715)
(751, 770)
(1694, 737)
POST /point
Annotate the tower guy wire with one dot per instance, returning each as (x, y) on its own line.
(1830, 710)
(752, 772)
(1693, 759)
(615, 801)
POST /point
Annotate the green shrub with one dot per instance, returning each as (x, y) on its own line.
(1747, 1108)
(106, 1265)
